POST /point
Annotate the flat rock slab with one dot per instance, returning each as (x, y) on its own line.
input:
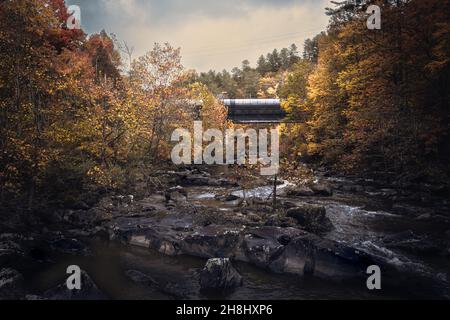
(281, 250)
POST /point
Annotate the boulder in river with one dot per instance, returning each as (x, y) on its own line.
(322, 189)
(121, 200)
(262, 246)
(219, 275)
(311, 218)
(308, 254)
(299, 191)
(287, 250)
(88, 291)
(176, 194)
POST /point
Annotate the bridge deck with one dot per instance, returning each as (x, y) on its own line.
(255, 110)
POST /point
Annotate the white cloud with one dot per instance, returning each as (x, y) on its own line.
(212, 34)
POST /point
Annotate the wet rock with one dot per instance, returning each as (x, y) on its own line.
(139, 241)
(11, 284)
(311, 218)
(264, 245)
(299, 191)
(176, 194)
(272, 221)
(322, 189)
(178, 197)
(212, 241)
(227, 198)
(219, 275)
(284, 239)
(308, 254)
(281, 250)
(288, 204)
(307, 212)
(171, 204)
(117, 200)
(227, 183)
(88, 291)
(166, 244)
(141, 278)
(261, 251)
(112, 204)
(252, 217)
(175, 235)
(276, 220)
(129, 199)
(167, 248)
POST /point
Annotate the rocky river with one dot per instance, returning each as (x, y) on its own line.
(201, 239)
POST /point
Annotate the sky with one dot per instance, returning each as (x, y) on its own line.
(212, 34)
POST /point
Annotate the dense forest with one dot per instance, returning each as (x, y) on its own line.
(74, 119)
(366, 101)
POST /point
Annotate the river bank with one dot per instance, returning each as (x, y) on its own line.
(318, 243)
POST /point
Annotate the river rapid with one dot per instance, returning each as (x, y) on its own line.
(410, 238)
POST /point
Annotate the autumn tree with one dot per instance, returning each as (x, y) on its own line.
(296, 103)
(156, 81)
(32, 38)
(380, 97)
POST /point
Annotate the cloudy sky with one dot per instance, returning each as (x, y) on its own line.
(213, 34)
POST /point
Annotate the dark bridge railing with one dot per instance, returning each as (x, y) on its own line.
(254, 110)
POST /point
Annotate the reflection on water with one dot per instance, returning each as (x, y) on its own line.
(109, 262)
(354, 223)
